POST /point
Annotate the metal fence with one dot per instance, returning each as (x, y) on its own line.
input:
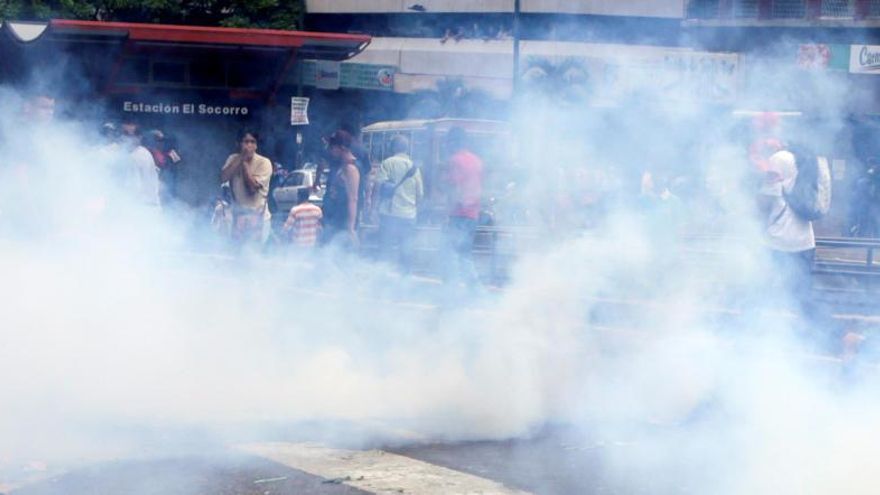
(788, 9)
(782, 9)
(838, 8)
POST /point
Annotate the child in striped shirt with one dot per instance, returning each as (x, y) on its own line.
(303, 224)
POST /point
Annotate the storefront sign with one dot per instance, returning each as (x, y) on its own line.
(823, 56)
(299, 111)
(327, 74)
(364, 76)
(167, 108)
(864, 59)
(351, 76)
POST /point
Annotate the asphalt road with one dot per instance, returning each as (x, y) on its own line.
(557, 460)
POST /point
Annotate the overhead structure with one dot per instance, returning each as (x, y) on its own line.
(133, 57)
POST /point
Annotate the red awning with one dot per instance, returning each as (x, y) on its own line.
(114, 43)
(330, 46)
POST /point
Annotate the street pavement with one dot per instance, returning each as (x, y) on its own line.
(557, 460)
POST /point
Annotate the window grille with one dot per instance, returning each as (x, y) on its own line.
(789, 9)
(703, 9)
(745, 8)
(838, 8)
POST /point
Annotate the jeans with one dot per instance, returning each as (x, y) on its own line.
(458, 256)
(397, 233)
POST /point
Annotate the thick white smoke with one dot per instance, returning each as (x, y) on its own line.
(631, 329)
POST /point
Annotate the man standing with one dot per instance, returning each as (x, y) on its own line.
(464, 178)
(398, 192)
(248, 174)
(143, 176)
(340, 203)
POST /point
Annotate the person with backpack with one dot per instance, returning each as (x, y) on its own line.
(796, 191)
(398, 190)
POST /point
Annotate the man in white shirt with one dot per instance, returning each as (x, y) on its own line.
(789, 236)
(143, 177)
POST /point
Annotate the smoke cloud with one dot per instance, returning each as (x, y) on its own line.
(639, 325)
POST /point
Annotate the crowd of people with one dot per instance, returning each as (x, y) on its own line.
(392, 189)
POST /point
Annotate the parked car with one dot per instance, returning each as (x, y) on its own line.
(286, 193)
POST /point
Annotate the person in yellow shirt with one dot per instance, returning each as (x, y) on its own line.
(248, 174)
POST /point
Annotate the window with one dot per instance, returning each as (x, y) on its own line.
(377, 147)
(702, 9)
(249, 74)
(134, 71)
(789, 9)
(838, 8)
(745, 8)
(169, 73)
(207, 73)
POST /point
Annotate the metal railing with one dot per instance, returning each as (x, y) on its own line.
(496, 248)
(783, 9)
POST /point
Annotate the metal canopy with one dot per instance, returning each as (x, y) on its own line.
(329, 46)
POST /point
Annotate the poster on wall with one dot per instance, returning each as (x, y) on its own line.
(299, 110)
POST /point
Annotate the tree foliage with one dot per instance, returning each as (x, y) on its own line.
(276, 14)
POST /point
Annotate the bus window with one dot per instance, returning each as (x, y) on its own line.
(377, 147)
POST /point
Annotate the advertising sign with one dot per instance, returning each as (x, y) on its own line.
(350, 75)
(864, 59)
(327, 74)
(299, 111)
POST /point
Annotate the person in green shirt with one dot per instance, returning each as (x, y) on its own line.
(399, 191)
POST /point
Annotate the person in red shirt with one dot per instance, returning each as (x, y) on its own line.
(465, 186)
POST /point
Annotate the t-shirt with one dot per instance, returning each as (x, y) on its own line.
(406, 197)
(785, 230)
(261, 169)
(144, 176)
(465, 177)
(303, 224)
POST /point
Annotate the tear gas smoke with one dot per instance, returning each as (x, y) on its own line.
(109, 326)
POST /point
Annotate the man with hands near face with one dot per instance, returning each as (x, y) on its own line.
(248, 174)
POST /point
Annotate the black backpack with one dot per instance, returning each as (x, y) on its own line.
(810, 197)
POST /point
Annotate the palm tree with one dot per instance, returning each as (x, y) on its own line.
(566, 82)
(452, 98)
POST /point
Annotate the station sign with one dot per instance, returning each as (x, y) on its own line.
(185, 108)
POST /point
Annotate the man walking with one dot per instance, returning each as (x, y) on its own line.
(464, 179)
(398, 192)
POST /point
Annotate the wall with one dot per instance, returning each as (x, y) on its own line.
(639, 8)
